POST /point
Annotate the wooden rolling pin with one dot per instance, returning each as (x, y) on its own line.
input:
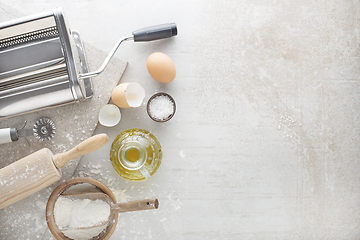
(39, 170)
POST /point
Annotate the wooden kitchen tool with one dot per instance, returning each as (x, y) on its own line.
(78, 185)
(40, 170)
(136, 205)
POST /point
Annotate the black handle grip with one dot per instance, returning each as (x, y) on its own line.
(147, 34)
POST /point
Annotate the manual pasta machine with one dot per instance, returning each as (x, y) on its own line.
(43, 64)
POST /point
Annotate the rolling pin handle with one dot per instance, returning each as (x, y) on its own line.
(85, 147)
(8, 135)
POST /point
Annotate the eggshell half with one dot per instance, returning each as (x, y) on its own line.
(128, 95)
(134, 94)
(109, 115)
(118, 95)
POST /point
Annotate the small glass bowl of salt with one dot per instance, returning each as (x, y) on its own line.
(161, 107)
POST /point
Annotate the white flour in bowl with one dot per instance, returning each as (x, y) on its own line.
(79, 213)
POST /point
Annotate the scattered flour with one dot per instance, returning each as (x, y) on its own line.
(120, 195)
(182, 154)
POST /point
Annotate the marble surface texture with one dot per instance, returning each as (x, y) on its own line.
(265, 140)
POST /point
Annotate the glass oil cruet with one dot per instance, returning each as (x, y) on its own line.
(135, 154)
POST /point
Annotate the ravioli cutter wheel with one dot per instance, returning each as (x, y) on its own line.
(44, 130)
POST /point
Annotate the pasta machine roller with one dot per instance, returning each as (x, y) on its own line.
(43, 64)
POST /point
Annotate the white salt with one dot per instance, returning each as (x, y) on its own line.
(80, 213)
(161, 107)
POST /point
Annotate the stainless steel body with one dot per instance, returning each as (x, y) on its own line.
(40, 61)
(43, 64)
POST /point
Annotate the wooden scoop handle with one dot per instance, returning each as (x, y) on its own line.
(144, 204)
(85, 147)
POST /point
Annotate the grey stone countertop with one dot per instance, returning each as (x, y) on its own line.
(265, 140)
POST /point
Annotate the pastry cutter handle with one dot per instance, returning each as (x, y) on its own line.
(8, 135)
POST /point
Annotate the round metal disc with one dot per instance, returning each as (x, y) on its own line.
(44, 129)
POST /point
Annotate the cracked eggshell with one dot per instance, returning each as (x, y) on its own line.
(118, 95)
(109, 115)
(128, 95)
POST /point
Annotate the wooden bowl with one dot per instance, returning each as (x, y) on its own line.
(63, 187)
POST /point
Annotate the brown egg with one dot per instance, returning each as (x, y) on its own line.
(161, 67)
